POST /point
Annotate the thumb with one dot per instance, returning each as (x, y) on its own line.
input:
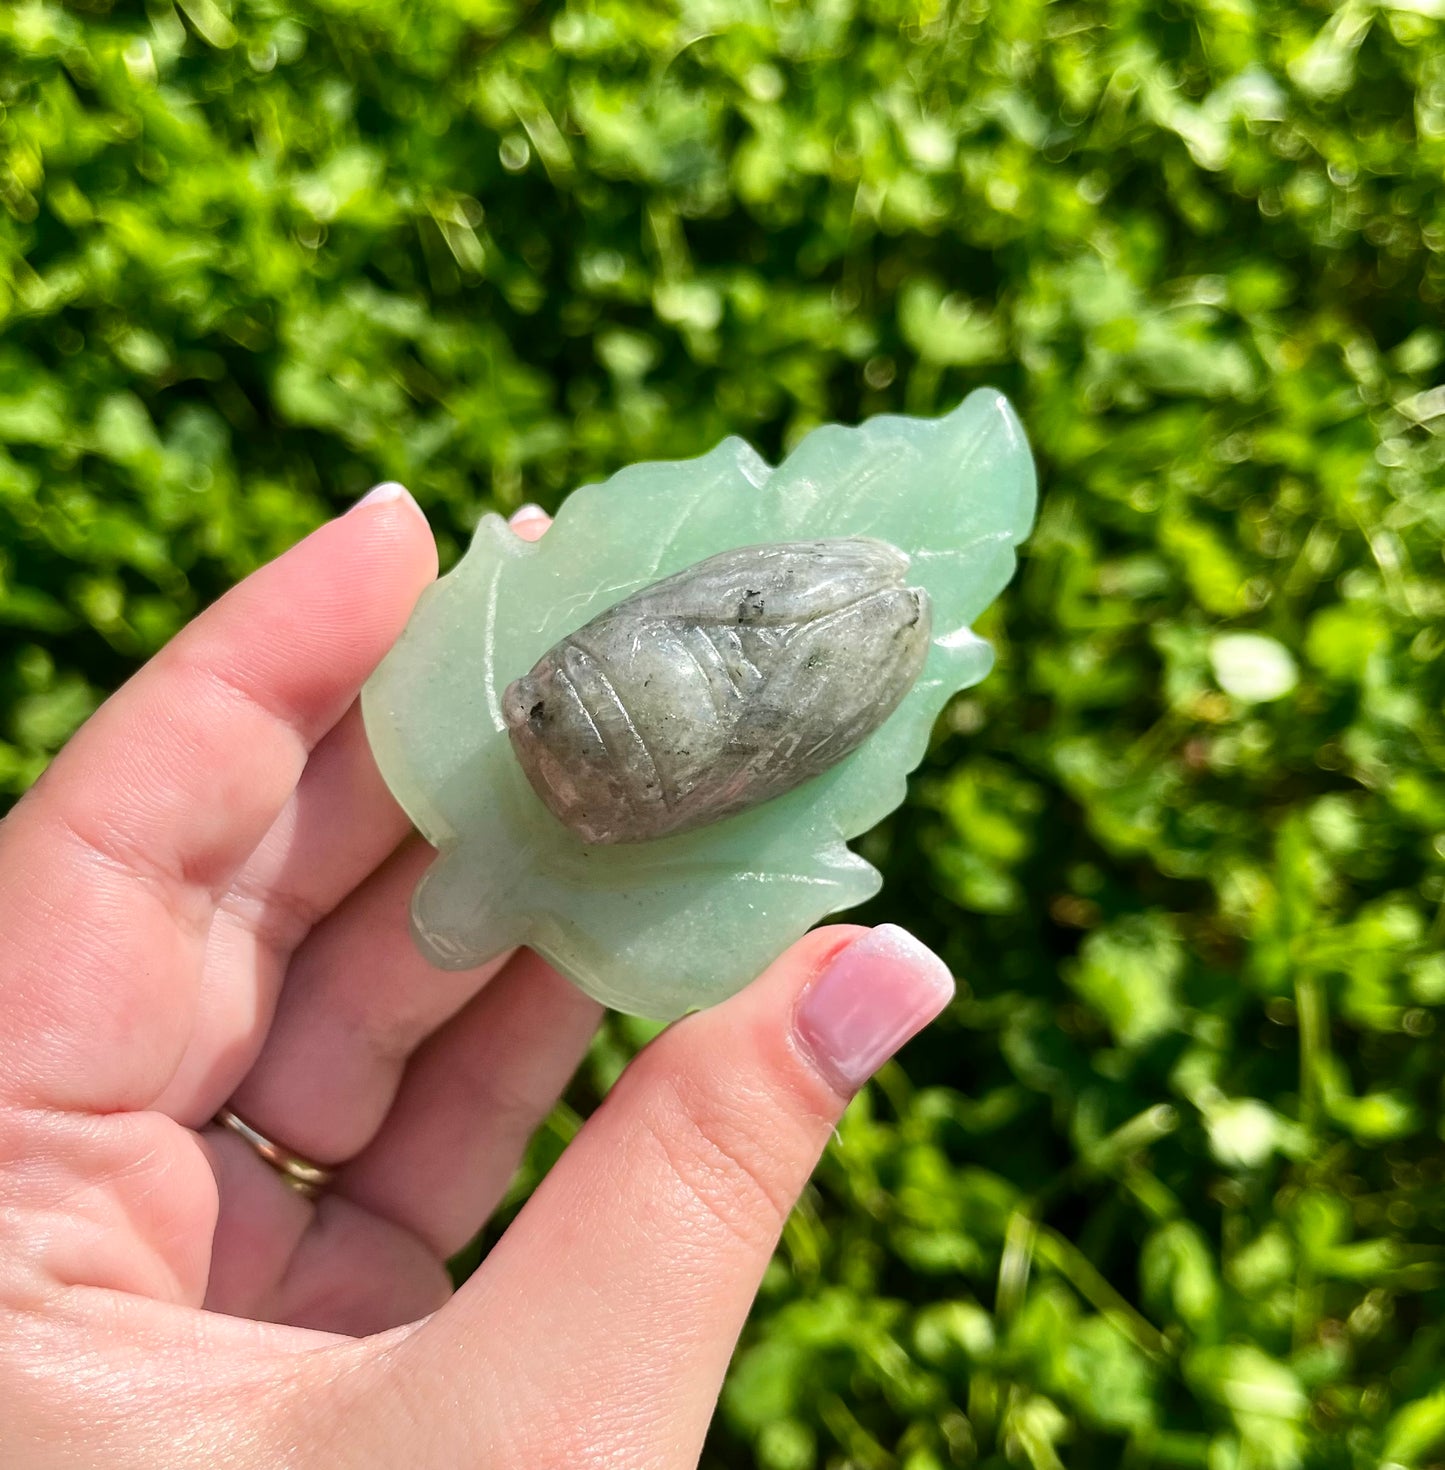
(599, 1329)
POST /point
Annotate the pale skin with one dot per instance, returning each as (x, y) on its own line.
(203, 901)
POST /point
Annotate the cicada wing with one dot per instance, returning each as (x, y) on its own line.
(834, 681)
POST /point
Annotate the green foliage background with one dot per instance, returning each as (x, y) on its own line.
(1166, 1187)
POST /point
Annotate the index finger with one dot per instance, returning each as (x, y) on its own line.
(110, 868)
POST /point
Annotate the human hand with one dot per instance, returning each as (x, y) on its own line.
(204, 900)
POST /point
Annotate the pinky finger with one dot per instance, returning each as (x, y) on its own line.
(529, 522)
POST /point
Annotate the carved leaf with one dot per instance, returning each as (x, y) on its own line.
(661, 927)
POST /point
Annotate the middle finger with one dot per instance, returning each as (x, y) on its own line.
(358, 1000)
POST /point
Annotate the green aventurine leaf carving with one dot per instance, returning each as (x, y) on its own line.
(659, 928)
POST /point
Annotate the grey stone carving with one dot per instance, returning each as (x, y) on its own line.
(720, 687)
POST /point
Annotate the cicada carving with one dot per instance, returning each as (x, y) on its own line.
(719, 688)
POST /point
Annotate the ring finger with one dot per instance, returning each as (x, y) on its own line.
(358, 1000)
(473, 1095)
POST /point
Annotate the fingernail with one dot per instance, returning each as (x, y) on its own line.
(387, 491)
(528, 512)
(874, 995)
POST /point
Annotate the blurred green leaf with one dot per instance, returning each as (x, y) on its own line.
(1129, 972)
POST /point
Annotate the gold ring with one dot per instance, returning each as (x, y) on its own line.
(306, 1178)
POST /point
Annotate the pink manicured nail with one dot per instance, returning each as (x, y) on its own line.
(528, 512)
(873, 996)
(388, 490)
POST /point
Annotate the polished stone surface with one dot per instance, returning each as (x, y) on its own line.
(659, 927)
(720, 687)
